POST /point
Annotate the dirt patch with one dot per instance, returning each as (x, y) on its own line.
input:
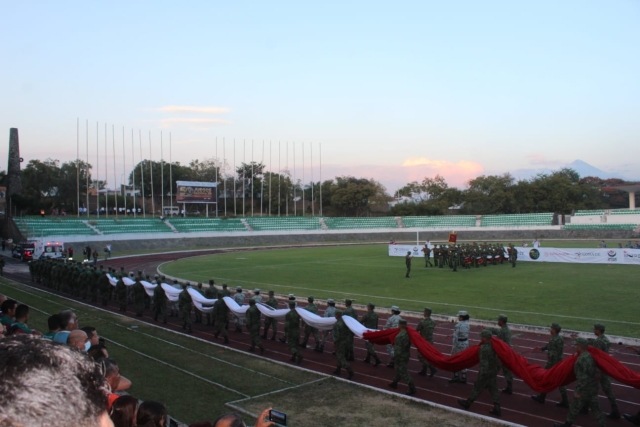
(341, 404)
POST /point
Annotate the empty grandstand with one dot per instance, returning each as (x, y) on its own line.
(284, 223)
(517, 220)
(213, 225)
(360, 223)
(446, 221)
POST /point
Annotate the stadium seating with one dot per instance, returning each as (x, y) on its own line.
(283, 223)
(130, 225)
(598, 212)
(517, 220)
(446, 221)
(360, 223)
(192, 225)
(625, 212)
(600, 226)
(31, 227)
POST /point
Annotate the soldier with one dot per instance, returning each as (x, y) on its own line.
(159, 303)
(184, 305)
(121, 293)
(504, 334)
(427, 255)
(513, 255)
(370, 320)
(330, 311)
(270, 321)
(426, 328)
(487, 375)
(350, 311)
(402, 352)
(225, 291)
(239, 298)
(454, 258)
(138, 297)
(407, 261)
(221, 318)
(555, 347)
(257, 296)
(586, 391)
(340, 343)
(460, 342)
(197, 312)
(602, 343)
(308, 329)
(210, 293)
(292, 332)
(392, 322)
(253, 324)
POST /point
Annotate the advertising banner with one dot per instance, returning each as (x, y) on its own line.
(196, 192)
(580, 255)
(401, 250)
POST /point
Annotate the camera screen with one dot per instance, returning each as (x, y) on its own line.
(278, 417)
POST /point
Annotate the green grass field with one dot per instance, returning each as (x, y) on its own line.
(574, 295)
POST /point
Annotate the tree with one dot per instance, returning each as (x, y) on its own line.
(352, 196)
(490, 194)
(205, 170)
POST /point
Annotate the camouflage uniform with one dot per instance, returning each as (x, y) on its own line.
(138, 297)
(460, 343)
(341, 345)
(370, 320)
(292, 332)
(392, 322)
(407, 261)
(239, 298)
(221, 318)
(104, 286)
(184, 305)
(330, 311)
(489, 365)
(350, 311)
(308, 329)
(198, 313)
(121, 294)
(554, 349)
(210, 293)
(270, 321)
(425, 329)
(159, 304)
(253, 324)
(603, 343)
(427, 256)
(504, 334)
(402, 352)
(586, 391)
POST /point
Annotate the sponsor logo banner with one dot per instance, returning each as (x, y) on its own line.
(631, 256)
(401, 250)
(580, 255)
(196, 194)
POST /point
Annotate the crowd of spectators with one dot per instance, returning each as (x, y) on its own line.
(65, 377)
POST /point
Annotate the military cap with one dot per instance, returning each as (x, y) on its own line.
(372, 305)
(427, 310)
(556, 327)
(503, 317)
(347, 301)
(187, 283)
(156, 276)
(338, 312)
(402, 322)
(486, 333)
(238, 288)
(271, 292)
(224, 285)
(211, 282)
(330, 301)
(463, 313)
(599, 326)
(252, 301)
(395, 308)
(292, 303)
(256, 291)
(292, 296)
(175, 281)
(310, 298)
(581, 342)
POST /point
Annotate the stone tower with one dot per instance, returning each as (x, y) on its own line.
(14, 179)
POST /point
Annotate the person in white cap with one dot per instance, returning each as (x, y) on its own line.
(256, 296)
(330, 311)
(460, 343)
(392, 322)
(239, 298)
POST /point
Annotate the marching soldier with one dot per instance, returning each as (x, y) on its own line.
(370, 320)
(402, 352)
(427, 255)
(407, 261)
(257, 296)
(270, 321)
(292, 332)
(392, 322)
(184, 305)
(513, 255)
(253, 324)
(601, 342)
(350, 311)
(554, 350)
(138, 297)
(487, 375)
(460, 343)
(159, 303)
(341, 345)
(504, 334)
(198, 313)
(330, 311)
(220, 318)
(308, 329)
(426, 328)
(121, 293)
(239, 298)
(210, 293)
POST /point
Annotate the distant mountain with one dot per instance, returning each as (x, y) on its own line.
(583, 168)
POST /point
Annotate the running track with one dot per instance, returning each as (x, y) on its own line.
(517, 408)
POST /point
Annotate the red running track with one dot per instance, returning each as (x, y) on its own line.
(518, 408)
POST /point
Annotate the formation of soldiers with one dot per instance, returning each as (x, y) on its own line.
(469, 255)
(89, 282)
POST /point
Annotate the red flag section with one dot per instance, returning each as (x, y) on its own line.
(539, 379)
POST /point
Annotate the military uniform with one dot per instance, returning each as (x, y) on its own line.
(603, 343)
(341, 345)
(513, 255)
(370, 321)
(270, 321)
(210, 293)
(487, 376)
(504, 334)
(221, 318)
(239, 298)
(308, 329)
(350, 311)
(121, 294)
(198, 313)
(330, 311)
(159, 303)
(184, 305)
(554, 349)
(426, 328)
(138, 297)
(402, 352)
(253, 324)
(460, 343)
(427, 256)
(292, 332)
(392, 322)
(407, 261)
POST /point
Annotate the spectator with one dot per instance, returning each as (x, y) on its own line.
(68, 323)
(123, 412)
(235, 420)
(111, 377)
(78, 339)
(35, 371)
(20, 325)
(151, 414)
(97, 352)
(8, 309)
(91, 332)
(602, 245)
(54, 326)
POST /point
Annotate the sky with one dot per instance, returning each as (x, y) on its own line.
(395, 91)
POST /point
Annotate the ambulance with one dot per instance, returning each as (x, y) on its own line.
(48, 250)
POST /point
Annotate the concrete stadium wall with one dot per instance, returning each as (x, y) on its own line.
(176, 242)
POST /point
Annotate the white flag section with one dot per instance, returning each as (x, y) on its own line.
(127, 281)
(148, 287)
(315, 321)
(355, 326)
(203, 304)
(580, 255)
(401, 250)
(112, 279)
(238, 310)
(277, 314)
(172, 293)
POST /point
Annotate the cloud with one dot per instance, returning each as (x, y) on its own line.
(541, 159)
(192, 109)
(192, 121)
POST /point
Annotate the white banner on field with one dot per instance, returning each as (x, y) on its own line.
(401, 250)
(581, 255)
